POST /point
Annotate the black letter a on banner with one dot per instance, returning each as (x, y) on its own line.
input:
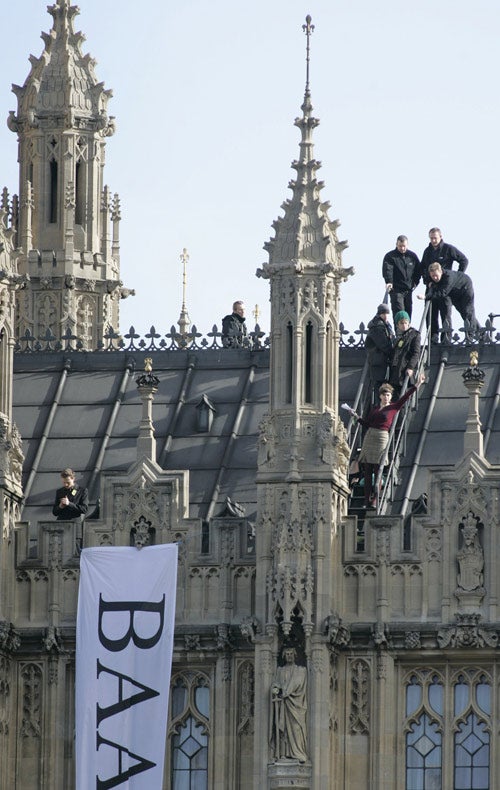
(123, 702)
(142, 765)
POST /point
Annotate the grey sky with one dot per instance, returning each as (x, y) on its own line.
(205, 94)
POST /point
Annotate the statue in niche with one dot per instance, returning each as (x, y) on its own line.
(470, 557)
(289, 707)
(267, 439)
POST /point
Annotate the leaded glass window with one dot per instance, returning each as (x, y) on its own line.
(448, 713)
(424, 707)
(189, 731)
(472, 704)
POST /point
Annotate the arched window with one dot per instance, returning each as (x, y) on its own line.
(288, 363)
(448, 715)
(424, 707)
(308, 364)
(189, 732)
(53, 150)
(472, 706)
(53, 191)
(80, 173)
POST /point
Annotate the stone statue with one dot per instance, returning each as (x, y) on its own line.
(470, 557)
(289, 707)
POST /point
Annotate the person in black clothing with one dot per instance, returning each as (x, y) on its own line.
(447, 289)
(405, 353)
(378, 345)
(443, 253)
(71, 501)
(234, 329)
(402, 272)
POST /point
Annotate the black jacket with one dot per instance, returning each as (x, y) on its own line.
(78, 503)
(402, 270)
(405, 355)
(378, 345)
(233, 329)
(444, 254)
(451, 284)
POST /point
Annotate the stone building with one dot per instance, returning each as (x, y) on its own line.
(316, 646)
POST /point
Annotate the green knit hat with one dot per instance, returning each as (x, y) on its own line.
(399, 316)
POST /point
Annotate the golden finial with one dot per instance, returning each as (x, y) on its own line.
(148, 365)
(474, 359)
(256, 313)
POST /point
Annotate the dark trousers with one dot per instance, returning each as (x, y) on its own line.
(400, 300)
(440, 309)
(463, 301)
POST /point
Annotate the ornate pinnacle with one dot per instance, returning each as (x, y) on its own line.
(147, 380)
(474, 372)
(184, 321)
(308, 29)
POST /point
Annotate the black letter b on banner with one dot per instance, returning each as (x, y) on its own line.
(144, 643)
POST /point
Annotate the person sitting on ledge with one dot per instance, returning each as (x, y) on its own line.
(234, 329)
(71, 500)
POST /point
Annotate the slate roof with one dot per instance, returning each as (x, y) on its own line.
(92, 427)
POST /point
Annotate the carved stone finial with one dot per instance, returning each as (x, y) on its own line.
(474, 373)
(148, 380)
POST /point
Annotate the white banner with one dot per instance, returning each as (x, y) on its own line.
(124, 642)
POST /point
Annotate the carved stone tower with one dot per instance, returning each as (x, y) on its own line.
(11, 456)
(302, 483)
(64, 213)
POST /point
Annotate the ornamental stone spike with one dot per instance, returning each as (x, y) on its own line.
(147, 384)
(473, 378)
(184, 321)
(305, 233)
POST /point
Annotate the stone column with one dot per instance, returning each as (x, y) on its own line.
(473, 378)
(147, 384)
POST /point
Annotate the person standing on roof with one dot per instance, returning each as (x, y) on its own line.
(439, 251)
(234, 329)
(406, 351)
(71, 501)
(378, 346)
(402, 272)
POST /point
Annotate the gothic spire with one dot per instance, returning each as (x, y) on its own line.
(62, 82)
(67, 222)
(305, 233)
